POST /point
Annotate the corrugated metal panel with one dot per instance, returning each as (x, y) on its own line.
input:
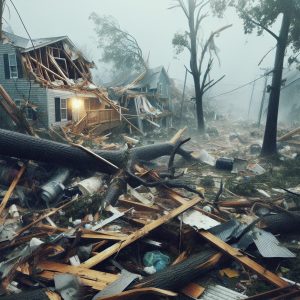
(268, 245)
(218, 292)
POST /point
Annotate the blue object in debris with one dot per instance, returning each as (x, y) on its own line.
(156, 259)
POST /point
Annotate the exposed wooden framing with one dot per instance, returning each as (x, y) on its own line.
(12, 188)
(37, 62)
(55, 64)
(138, 234)
(244, 260)
(74, 65)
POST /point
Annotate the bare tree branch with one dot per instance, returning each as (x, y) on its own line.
(263, 27)
(266, 55)
(209, 87)
(213, 34)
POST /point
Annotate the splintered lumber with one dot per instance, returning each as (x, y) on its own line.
(138, 234)
(95, 279)
(11, 188)
(14, 112)
(289, 135)
(244, 260)
(178, 135)
(140, 292)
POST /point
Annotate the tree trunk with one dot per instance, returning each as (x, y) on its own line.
(1, 16)
(199, 106)
(269, 144)
(194, 66)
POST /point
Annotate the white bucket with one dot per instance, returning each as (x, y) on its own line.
(90, 185)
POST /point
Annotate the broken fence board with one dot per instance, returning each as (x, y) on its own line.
(138, 234)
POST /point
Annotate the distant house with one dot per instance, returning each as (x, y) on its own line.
(51, 81)
(147, 97)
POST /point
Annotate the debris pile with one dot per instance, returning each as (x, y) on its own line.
(81, 222)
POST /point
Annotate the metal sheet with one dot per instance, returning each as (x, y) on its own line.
(218, 292)
(268, 245)
(198, 220)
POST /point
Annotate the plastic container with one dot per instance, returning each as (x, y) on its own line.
(224, 163)
(90, 185)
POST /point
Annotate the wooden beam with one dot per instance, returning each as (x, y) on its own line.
(11, 188)
(95, 279)
(244, 260)
(138, 234)
(132, 294)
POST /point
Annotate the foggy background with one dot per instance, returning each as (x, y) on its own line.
(153, 25)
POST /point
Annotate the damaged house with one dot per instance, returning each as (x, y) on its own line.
(51, 81)
(147, 97)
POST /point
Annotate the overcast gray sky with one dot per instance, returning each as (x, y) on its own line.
(153, 25)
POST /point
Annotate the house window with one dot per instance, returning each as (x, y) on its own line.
(13, 68)
(63, 109)
(160, 89)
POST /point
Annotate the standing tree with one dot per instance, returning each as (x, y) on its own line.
(118, 47)
(261, 15)
(2, 4)
(201, 53)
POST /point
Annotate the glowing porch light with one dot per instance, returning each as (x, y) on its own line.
(76, 103)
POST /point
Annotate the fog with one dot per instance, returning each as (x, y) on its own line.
(153, 25)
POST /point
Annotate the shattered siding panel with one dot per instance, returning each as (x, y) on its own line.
(18, 89)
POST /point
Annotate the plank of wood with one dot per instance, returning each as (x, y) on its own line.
(12, 188)
(95, 279)
(244, 260)
(87, 234)
(139, 292)
(138, 234)
(289, 135)
(138, 206)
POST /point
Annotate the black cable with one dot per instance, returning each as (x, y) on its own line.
(29, 91)
(240, 87)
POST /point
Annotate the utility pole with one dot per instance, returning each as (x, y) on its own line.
(251, 98)
(263, 97)
(183, 95)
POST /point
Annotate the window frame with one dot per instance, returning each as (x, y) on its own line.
(16, 72)
(63, 109)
